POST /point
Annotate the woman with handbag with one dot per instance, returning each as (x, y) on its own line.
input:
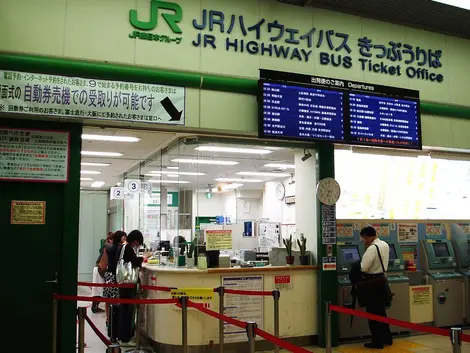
(375, 286)
(98, 274)
(129, 263)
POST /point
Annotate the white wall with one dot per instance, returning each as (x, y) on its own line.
(274, 209)
(93, 228)
(220, 204)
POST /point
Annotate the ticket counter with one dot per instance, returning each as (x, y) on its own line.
(161, 324)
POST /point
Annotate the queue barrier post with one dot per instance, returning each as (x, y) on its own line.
(184, 327)
(251, 333)
(113, 349)
(137, 321)
(55, 305)
(328, 344)
(276, 297)
(81, 312)
(456, 339)
(221, 291)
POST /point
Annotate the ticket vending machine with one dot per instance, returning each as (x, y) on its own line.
(399, 285)
(439, 263)
(347, 254)
(462, 250)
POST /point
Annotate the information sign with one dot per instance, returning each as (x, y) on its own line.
(34, 155)
(198, 295)
(28, 212)
(219, 239)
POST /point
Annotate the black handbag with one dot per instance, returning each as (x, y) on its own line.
(388, 295)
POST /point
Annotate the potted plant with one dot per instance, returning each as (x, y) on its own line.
(190, 254)
(302, 243)
(288, 245)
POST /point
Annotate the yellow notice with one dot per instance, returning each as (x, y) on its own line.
(220, 239)
(197, 295)
(421, 304)
(28, 212)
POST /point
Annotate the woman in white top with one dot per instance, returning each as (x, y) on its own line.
(374, 264)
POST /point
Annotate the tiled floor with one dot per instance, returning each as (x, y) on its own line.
(426, 344)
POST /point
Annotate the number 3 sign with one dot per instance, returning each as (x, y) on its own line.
(133, 186)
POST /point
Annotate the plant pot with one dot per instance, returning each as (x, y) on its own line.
(181, 261)
(305, 260)
(290, 260)
(190, 262)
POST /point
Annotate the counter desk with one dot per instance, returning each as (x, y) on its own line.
(298, 305)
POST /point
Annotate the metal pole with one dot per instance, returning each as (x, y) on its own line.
(328, 327)
(184, 327)
(221, 292)
(250, 332)
(113, 349)
(276, 296)
(54, 324)
(456, 339)
(81, 329)
(137, 319)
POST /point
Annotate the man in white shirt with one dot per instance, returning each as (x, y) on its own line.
(374, 270)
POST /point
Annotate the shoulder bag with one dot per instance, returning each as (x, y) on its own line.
(103, 264)
(388, 295)
(125, 272)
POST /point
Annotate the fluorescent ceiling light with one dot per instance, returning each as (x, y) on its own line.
(178, 173)
(110, 138)
(97, 184)
(239, 180)
(176, 168)
(280, 166)
(204, 161)
(173, 176)
(232, 150)
(90, 164)
(463, 4)
(101, 154)
(118, 184)
(168, 182)
(89, 172)
(274, 175)
(86, 179)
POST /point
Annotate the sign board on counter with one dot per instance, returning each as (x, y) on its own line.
(34, 155)
(219, 239)
(408, 233)
(268, 235)
(421, 306)
(29, 93)
(329, 263)
(282, 282)
(243, 308)
(28, 212)
(197, 295)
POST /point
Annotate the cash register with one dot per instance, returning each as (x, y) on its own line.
(347, 254)
(462, 250)
(439, 264)
(399, 285)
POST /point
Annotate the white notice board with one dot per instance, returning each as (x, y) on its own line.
(242, 307)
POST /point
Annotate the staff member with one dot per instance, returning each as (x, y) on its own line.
(374, 264)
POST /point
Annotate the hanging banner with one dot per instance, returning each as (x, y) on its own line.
(34, 155)
(62, 96)
(28, 212)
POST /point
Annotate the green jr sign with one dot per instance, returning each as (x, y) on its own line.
(172, 19)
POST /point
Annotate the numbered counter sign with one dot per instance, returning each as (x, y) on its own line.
(117, 193)
(133, 186)
(146, 187)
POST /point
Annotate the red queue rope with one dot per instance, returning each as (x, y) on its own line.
(114, 300)
(219, 316)
(391, 321)
(465, 337)
(100, 335)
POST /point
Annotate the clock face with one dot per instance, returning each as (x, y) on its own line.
(280, 191)
(328, 191)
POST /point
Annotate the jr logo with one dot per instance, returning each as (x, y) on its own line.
(171, 19)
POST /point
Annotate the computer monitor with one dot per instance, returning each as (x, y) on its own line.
(392, 253)
(440, 250)
(350, 253)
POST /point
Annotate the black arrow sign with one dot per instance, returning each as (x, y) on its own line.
(171, 109)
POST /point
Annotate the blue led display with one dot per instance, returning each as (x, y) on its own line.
(304, 113)
(382, 121)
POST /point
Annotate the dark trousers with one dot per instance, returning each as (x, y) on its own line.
(126, 315)
(380, 332)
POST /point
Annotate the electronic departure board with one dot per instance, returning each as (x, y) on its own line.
(310, 108)
(302, 112)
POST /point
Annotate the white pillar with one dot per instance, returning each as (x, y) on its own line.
(305, 199)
